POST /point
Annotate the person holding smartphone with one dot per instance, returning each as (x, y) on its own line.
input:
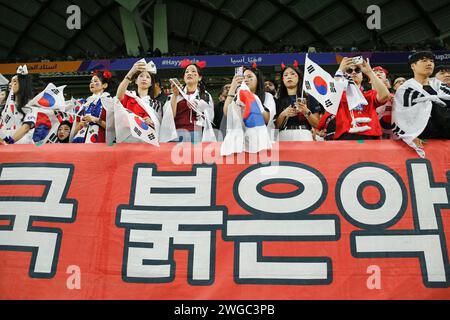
(142, 76)
(254, 79)
(193, 116)
(345, 118)
(295, 116)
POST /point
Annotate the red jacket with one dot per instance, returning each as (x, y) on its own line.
(344, 119)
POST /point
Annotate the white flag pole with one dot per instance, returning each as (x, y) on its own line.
(304, 72)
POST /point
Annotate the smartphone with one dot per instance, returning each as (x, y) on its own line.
(175, 81)
(239, 71)
(300, 100)
(357, 60)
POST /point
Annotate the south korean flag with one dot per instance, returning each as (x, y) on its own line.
(7, 117)
(322, 86)
(412, 109)
(51, 98)
(133, 128)
(141, 130)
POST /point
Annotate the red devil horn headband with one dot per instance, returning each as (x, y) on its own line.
(186, 62)
(107, 74)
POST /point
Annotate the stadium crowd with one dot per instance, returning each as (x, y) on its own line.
(198, 49)
(413, 110)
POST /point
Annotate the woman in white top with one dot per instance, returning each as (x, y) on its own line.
(144, 103)
(254, 79)
(91, 128)
(17, 120)
(192, 125)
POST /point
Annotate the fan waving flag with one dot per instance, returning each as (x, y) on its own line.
(46, 128)
(412, 109)
(129, 125)
(252, 114)
(322, 86)
(246, 128)
(51, 97)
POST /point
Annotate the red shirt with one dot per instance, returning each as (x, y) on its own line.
(132, 105)
(344, 119)
(184, 119)
(323, 121)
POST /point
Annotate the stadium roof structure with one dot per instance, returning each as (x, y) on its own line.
(31, 28)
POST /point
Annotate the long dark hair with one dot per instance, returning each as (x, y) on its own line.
(283, 93)
(260, 91)
(201, 83)
(105, 77)
(25, 92)
(6, 96)
(151, 89)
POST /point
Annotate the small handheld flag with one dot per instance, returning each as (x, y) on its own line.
(252, 114)
(51, 97)
(322, 86)
(246, 128)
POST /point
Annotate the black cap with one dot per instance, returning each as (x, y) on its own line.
(442, 67)
(419, 56)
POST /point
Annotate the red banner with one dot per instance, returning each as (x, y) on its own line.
(310, 220)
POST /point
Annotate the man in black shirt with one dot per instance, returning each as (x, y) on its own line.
(438, 126)
(421, 105)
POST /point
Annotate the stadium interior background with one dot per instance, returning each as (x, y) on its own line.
(35, 31)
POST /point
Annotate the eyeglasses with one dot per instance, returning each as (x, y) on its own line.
(350, 70)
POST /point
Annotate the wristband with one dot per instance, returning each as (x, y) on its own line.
(308, 113)
(9, 140)
(128, 78)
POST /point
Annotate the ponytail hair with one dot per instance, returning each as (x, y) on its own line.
(25, 92)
